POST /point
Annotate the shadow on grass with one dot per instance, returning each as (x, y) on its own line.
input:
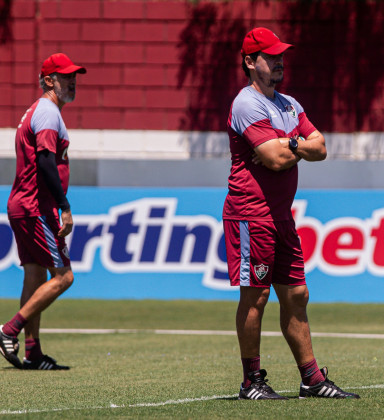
(227, 398)
(294, 397)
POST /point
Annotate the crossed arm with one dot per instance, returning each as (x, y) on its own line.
(276, 155)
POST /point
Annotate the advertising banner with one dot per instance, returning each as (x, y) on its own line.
(168, 243)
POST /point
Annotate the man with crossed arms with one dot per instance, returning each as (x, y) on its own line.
(267, 132)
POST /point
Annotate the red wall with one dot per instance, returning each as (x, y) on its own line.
(175, 65)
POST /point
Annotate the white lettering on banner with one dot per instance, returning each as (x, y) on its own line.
(8, 250)
(146, 235)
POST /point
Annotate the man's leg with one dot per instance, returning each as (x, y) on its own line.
(295, 327)
(248, 320)
(294, 321)
(36, 302)
(37, 295)
(248, 324)
(48, 292)
(34, 276)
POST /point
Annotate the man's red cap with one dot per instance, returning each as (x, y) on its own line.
(60, 63)
(264, 40)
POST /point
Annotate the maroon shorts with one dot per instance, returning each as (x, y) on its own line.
(37, 241)
(262, 253)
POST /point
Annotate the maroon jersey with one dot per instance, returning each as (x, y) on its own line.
(41, 127)
(256, 192)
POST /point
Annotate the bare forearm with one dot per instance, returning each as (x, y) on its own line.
(285, 158)
(313, 148)
(275, 155)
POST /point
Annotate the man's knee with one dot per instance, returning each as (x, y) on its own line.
(68, 279)
(297, 298)
(301, 297)
(65, 279)
(254, 297)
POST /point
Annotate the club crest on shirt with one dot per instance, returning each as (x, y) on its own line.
(291, 110)
(261, 271)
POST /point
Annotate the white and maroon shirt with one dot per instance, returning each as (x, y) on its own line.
(41, 127)
(256, 192)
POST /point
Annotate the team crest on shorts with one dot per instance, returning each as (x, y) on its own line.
(261, 271)
(291, 110)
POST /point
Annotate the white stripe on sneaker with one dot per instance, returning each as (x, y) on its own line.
(323, 389)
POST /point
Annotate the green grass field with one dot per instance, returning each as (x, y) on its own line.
(149, 375)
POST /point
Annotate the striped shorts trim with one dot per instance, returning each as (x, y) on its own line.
(263, 252)
(38, 242)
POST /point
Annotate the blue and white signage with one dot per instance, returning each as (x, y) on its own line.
(138, 243)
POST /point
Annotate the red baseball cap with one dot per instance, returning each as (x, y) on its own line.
(60, 63)
(264, 40)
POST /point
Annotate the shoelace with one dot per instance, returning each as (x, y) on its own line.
(262, 383)
(334, 386)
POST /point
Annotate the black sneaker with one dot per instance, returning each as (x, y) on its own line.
(259, 390)
(45, 363)
(325, 389)
(9, 347)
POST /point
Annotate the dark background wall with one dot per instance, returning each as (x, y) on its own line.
(175, 65)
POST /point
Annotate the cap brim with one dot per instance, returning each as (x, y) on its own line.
(277, 48)
(72, 69)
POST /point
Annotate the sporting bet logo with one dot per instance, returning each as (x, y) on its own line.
(148, 236)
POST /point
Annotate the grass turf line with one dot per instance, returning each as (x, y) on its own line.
(126, 370)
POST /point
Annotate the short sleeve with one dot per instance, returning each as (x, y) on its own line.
(45, 117)
(45, 124)
(250, 119)
(47, 140)
(259, 133)
(305, 126)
